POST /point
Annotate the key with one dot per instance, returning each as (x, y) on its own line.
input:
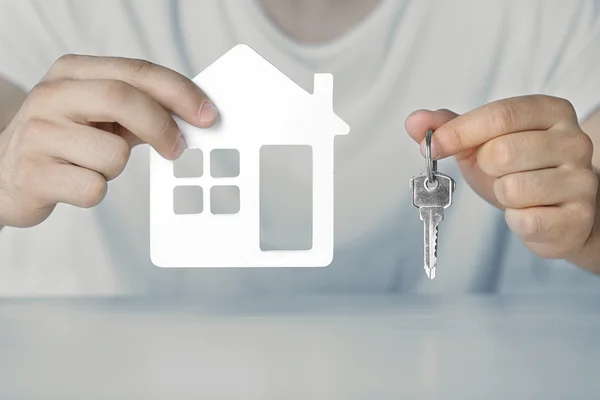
(431, 194)
(431, 198)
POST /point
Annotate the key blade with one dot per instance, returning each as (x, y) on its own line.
(431, 216)
(431, 265)
(430, 272)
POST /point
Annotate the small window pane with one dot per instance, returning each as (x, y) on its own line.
(225, 199)
(224, 163)
(188, 200)
(189, 165)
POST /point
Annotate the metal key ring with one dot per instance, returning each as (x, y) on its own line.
(431, 164)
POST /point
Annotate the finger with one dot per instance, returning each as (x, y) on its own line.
(517, 114)
(419, 122)
(64, 183)
(551, 224)
(172, 90)
(545, 187)
(113, 101)
(527, 151)
(117, 129)
(84, 146)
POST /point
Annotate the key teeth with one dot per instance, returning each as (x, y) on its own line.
(435, 241)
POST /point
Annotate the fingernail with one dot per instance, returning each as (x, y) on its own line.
(208, 112)
(179, 147)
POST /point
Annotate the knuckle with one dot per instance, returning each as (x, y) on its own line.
(583, 218)
(511, 188)
(503, 116)
(43, 90)
(587, 213)
(36, 126)
(582, 147)
(66, 60)
(139, 69)
(167, 129)
(93, 192)
(588, 180)
(585, 186)
(118, 93)
(119, 157)
(33, 132)
(563, 107)
(531, 225)
(503, 154)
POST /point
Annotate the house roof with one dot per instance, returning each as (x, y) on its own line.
(242, 79)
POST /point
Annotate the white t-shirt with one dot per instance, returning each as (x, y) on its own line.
(404, 56)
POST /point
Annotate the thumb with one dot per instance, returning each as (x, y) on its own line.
(419, 122)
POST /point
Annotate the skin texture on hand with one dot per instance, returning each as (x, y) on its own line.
(529, 157)
(75, 131)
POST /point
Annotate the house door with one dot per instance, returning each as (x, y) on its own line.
(286, 197)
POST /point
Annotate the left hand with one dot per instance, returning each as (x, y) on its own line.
(527, 156)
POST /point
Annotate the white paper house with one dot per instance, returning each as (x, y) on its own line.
(258, 105)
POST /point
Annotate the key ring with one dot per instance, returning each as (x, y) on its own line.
(431, 164)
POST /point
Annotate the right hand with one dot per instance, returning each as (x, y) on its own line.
(76, 129)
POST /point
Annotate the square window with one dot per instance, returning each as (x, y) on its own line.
(225, 199)
(188, 200)
(224, 163)
(189, 165)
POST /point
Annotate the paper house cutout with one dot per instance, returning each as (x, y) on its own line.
(258, 105)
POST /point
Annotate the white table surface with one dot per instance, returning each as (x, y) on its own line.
(361, 347)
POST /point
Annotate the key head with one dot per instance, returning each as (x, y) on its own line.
(432, 194)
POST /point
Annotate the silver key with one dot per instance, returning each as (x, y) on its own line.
(431, 193)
